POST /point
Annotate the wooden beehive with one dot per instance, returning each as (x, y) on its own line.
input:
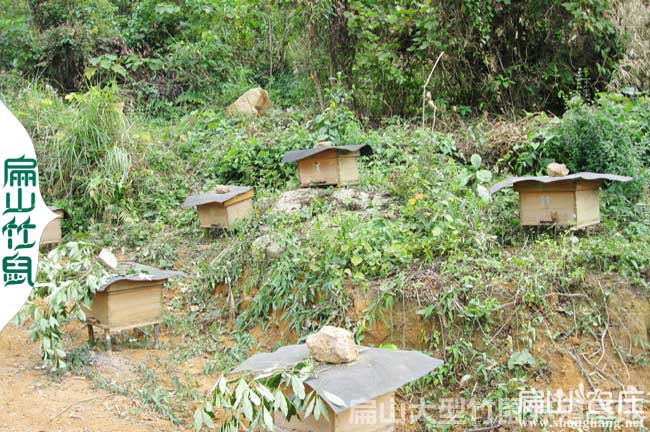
(222, 209)
(359, 396)
(564, 201)
(127, 301)
(329, 168)
(328, 165)
(52, 231)
(375, 415)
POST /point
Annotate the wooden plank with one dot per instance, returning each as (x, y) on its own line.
(321, 169)
(377, 415)
(134, 306)
(131, 285)
(545, 208)
(534, 186)
(126, 327)
(240, 210)
(212, 215)
(587, 208)
(240, 197)
(99, 308)
(348, 169)
(588, 184)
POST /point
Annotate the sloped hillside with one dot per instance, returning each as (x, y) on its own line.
(415, 256)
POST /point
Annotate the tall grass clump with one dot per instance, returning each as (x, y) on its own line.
(98, 125)
(87, 161)
(632, 17)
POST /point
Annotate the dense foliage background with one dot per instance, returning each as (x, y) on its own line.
(499, 56)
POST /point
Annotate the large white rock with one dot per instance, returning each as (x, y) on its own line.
(107, 259)
(332, 345)
(254, 102)
(557, 170)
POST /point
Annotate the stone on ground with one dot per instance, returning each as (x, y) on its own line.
(254, 102)
(266, 246)
(358, 200)
(294, 200)
(332, 345)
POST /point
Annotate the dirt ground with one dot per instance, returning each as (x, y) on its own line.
(31, 400)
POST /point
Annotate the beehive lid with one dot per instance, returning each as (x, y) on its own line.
(547, 179)
(376, 372)
(215, 197)
(296, 155)
(134, 272)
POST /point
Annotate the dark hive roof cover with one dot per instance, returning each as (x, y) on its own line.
(296, 155)
(547, 179)
(130, 271)
(208, 198)
(376, 372)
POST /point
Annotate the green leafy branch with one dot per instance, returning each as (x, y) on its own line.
(249, 401)
(68, 277)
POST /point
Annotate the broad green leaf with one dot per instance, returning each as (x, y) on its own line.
(298, 387)
(484, 176)
(483, 192)
(476, 160)
(198, 419)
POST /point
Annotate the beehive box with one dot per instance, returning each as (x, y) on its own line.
(130, 299)
(365, 388)
(571, 200)
(52, 231)
(224, 207)
(328, 165)
(375, 415)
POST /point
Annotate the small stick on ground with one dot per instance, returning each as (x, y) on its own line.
(582, 369)
(73, 404)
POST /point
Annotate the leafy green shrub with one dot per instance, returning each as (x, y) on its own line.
(65, 51)
(600, 139)
(19, 43)
(151, 23)
(610, 136)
